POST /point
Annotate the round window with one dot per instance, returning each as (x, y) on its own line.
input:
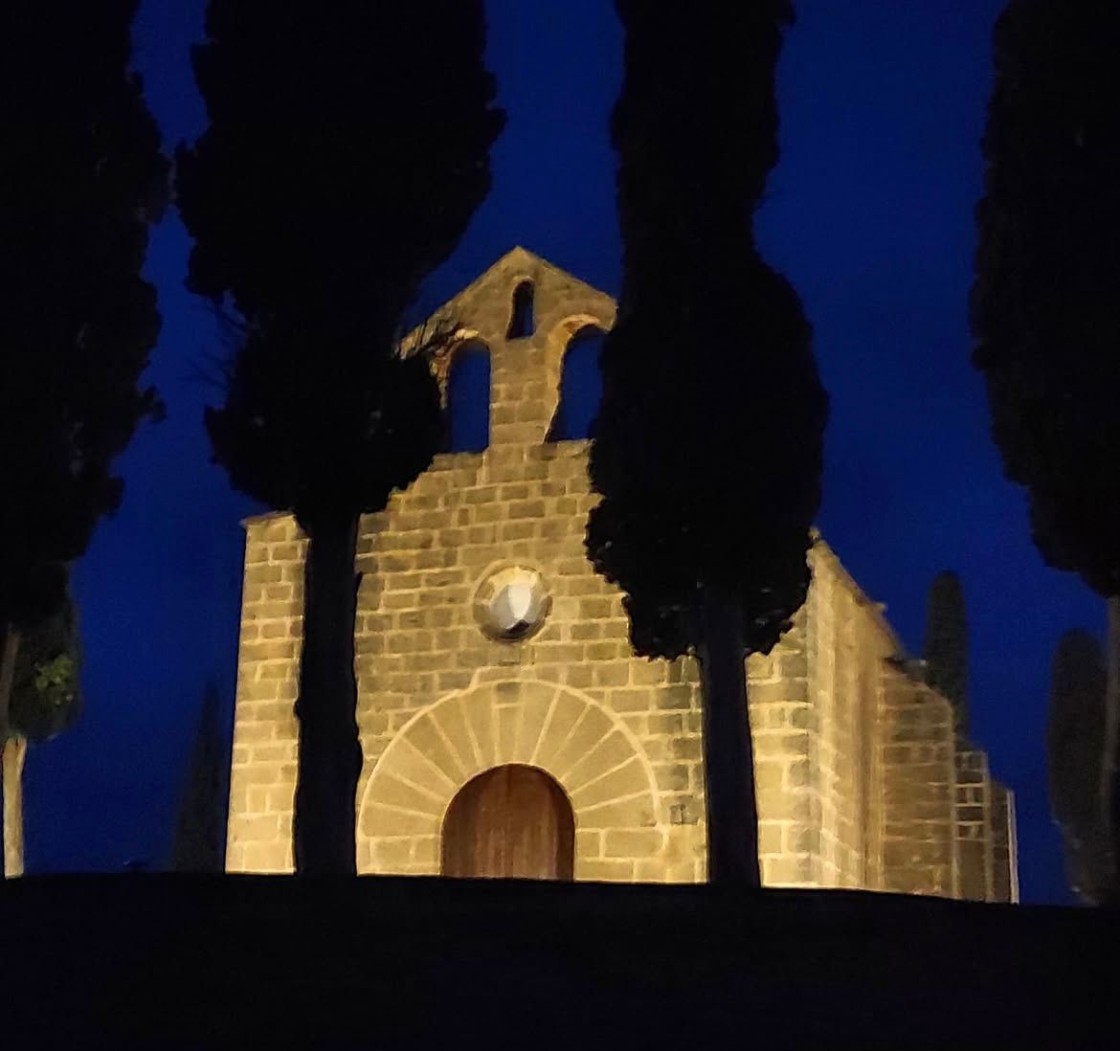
(512, 603)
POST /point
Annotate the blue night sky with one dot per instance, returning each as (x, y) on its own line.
(870, 215)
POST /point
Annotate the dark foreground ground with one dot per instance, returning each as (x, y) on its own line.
(178, 962)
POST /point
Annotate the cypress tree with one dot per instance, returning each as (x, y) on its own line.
(946, 645)
(83, 178)
(1073, 750)
(1045, 310)
(347, 150)
(707, 450)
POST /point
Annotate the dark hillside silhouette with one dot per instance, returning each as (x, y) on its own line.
(347, 150)
(708, 445)
(178, 963)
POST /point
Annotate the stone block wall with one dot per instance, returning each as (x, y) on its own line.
(856, 765)
(847, 643)
(974, 823)
(918, 787)
(441, 702)
(782, 726)
(263, 775)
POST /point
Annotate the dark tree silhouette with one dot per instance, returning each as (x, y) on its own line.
(1073, 749)
(348, 147)
(1045, 311)
(707, 448)
(199, 844)
(83, 178)
(946, 645)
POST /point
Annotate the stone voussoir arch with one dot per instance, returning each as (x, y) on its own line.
(566, 324)
(590, 752)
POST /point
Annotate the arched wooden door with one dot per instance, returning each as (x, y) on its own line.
(512, 821)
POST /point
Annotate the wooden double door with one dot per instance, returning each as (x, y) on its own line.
(512, 821)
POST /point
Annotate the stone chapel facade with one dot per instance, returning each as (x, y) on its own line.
(508, 730)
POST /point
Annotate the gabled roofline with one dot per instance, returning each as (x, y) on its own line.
(517, 257)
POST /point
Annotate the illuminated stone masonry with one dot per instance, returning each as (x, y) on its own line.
(484, 640)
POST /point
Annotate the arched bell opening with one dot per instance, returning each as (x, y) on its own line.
(581, 387)
(468, 400)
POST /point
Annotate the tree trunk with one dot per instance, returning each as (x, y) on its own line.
(728, 755)
(15, 751)
(330, 756)
(8, 653)
(1108, 788)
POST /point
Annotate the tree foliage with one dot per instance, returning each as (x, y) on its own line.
(82, 180)
(1073, 746)
(346, 152)
(708, 444)
(1045, 310)
(946, 645)
(347, 149)
(46, 691)
(707, 449)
